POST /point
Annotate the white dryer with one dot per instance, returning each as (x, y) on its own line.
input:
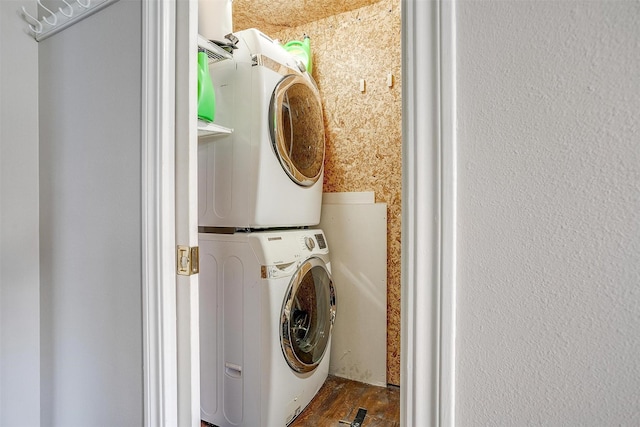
(268, 172)
(267, 308)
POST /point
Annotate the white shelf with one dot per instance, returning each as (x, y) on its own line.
(211, 129)
(215, 54)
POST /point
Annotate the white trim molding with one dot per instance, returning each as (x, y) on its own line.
(448, 197)
(429, 196)
(158, 215)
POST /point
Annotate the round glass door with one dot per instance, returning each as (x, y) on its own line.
(308, 313)
(297, 129)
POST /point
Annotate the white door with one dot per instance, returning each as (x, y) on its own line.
(171, 345)
(186, 184)
(308, 314)
(297, 129)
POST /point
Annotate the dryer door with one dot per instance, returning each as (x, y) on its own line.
(297, 129)
(308, 313)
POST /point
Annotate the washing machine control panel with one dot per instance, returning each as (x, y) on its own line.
(314, 241)
(280, 247)
(322, 244)
(309, 243)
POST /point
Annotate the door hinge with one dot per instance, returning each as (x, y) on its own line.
(188, 260)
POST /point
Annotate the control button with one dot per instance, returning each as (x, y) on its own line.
(310, 243)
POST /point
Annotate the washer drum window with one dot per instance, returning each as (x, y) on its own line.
(308, 314)
(297, 129)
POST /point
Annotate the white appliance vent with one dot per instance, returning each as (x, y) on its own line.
(213, 51)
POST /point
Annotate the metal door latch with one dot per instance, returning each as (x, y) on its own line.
(188, 260)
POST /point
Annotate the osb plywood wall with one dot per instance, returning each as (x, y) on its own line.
(364, 141)
(272, 16)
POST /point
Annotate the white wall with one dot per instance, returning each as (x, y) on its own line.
(90, 216)
(549, 213)
(19, 257)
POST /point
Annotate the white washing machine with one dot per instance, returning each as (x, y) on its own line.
(267, 307)
(268, 172)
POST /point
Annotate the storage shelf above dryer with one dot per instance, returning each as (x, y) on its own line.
(211, 129)
(215, 54)
(213, 51)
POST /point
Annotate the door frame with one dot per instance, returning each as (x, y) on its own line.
(429, 214)
(160, 347)
(427, 371)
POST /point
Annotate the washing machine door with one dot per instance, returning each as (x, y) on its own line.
(297, 129)
(308, 313)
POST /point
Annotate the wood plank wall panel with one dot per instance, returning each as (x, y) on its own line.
(364, 140)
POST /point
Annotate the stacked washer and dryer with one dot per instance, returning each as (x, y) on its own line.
(267, 302)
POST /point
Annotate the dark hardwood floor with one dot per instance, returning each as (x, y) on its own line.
(338, 401)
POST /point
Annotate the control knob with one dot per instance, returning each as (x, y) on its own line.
(310, 243)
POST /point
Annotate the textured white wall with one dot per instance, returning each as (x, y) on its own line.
(549, 213)
(19, 242)
(90, 221)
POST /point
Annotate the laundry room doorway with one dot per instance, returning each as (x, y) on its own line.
(389, 130)
(426, 373)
